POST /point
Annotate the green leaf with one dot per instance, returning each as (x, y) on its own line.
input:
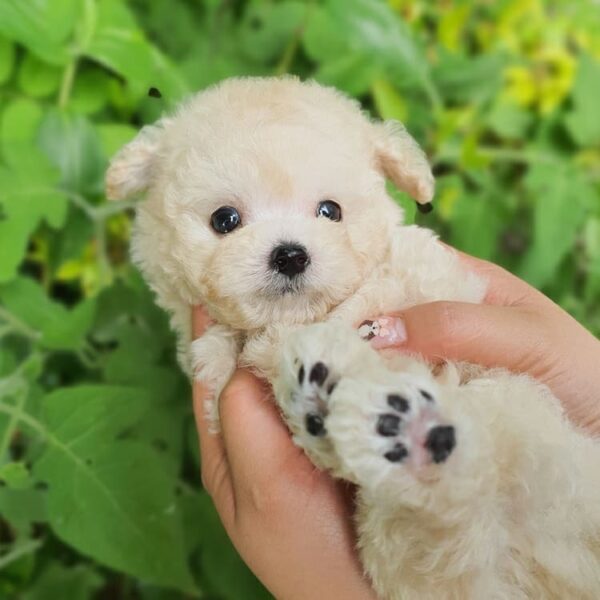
(57, 581)
(42, 26)
(476, 224)
(71, 144)
(113, 136)
(28, 194)
(59, 327)
(560, 197)
(370, 35)
(583, 122)
(388, 101)
(268, 28)
(509, 120)
(91, 91)
(110, 497)
(7, 59)
(37, 78)
(15, 475)
(119, 44)
(19, 125)
(468, 79)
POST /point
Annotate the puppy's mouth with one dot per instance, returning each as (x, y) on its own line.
(283, 286)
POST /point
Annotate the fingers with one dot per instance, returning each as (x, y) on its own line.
(491, 336)
(257, 441)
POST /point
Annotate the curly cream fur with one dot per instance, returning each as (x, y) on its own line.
(515, 511)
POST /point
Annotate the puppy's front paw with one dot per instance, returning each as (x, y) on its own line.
(314, 360)
(214, 358)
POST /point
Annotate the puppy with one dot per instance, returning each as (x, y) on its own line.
(266, 203)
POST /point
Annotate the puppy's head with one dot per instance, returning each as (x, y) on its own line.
(265, 199)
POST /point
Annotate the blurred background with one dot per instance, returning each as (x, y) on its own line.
(99, 487)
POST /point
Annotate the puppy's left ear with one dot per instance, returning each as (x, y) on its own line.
(132, 169)
(401, 159)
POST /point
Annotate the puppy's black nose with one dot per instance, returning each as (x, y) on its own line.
(289, 259)
(440, 442)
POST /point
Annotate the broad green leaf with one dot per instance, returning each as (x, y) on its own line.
(28, 194)
(389, 102)
(367, 33)
(21, 508)
(15, 475)
(38, 79)
(78, 582)
(509, 120)
(71, 144)
(59, 327)
(476, 224)
(7, 59)
(113, 136)
(119, 44)
(468, 79)
(90, 91)
(109, 496)
(19, 124)
(42, 26)
(268, 28)
(583, 122)
(560, 197)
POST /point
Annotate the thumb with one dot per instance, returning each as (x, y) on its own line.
(488, 335)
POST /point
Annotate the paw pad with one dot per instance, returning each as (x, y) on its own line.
(397, 402)
(318, 374)
(388, 425)
(397, 453)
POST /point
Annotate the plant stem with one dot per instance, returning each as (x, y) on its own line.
(21, 550)
(18, 326)
(67, 84)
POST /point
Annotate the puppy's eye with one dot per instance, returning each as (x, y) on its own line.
(330, 210)
(225, 219)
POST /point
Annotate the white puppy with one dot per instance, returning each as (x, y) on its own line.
(266, 203)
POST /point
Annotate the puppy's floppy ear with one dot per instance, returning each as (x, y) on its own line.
(401, 159)
(132, 168)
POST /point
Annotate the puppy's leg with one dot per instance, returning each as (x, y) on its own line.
(214, 359)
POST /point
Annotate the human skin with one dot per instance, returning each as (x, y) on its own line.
(291, 523)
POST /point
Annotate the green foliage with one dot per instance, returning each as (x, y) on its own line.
(99, 487)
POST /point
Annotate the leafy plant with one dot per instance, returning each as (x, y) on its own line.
(99, 487)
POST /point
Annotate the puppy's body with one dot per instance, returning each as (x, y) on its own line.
(471, 483)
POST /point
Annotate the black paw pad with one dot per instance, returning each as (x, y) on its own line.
(315, 425)
(318, 374)
(440, 442)
(388, 425)
(397, 453)
(426, 395)
(301, 375)
(398, 403)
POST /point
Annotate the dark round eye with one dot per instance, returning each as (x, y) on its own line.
(225, 219)
(330, 210)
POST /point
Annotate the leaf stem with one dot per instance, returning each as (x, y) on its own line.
(21, 550)
(66, 85)
(19, 326)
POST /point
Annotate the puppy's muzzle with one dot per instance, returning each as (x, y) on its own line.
(289, 259)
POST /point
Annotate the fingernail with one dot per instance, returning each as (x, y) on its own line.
(383, 332)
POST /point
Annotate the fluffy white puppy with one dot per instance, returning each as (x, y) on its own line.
(266, 203)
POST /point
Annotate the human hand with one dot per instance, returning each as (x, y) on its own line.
(291, 523)
(517, 328)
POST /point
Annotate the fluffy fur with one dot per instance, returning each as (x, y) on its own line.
(514, 510)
